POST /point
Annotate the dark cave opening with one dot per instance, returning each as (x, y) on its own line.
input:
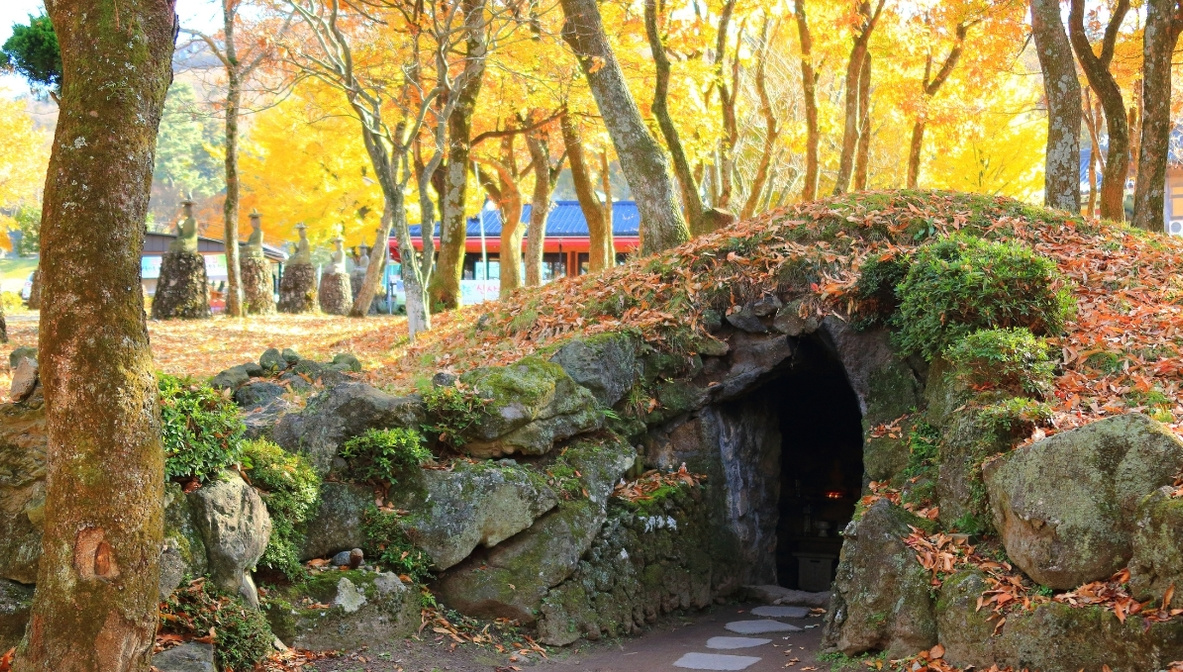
(821, 464)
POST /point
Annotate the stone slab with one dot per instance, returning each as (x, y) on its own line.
(715, 661)
(735, 642)
(769, 594)
(759, 627)
(781, 612)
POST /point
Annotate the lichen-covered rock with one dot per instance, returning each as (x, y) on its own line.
(364, 607)
(1065, 506)
(235, 528)
(531, 405)
(297, 289)
(1157, 561)
(22, 488)
(25, 377)
(1051, 637)
(184, 549)
(341, 413)
(182, 290)
(473, 504)
(344, 361)
(257, 393)
(272, 361)
(606, 364)
(337, 524)
(881, 599)
(188, 657)
(965, 630)
(261, 421)
(969, 437)
(336, 296)
(510, 579)
(20, 353)
(884, 383)
(887, 455)
(645, 562)
(236, 376)
(16, 605)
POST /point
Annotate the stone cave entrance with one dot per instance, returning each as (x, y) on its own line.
(821, 463)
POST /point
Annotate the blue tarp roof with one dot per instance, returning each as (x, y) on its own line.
(564, 221)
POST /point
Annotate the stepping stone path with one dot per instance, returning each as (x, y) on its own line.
(735, 642)
(759, 627)
(780, 612)
(767, 624)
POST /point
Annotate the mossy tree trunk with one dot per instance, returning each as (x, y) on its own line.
(1164, 21)
(641, 158)
(98, 581)
(1061, 181)
(809, 88)
(597, 211)
(854, 74)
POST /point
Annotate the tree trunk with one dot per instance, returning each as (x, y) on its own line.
(726, 160)
(1096, 70)
(1163, 25)
(539, 208)
(445, 281)
(230, 205)
(854, 73)
(809, 85)
(641, 158)
(862, 157)
(929, 88)
(691, 199)
(593, 208)
(95, 608)
(771, 128)
(1092, 120)
(607, 243)
(511, 238)
(1061, 182)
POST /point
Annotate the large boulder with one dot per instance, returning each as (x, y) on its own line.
(510, 579)
(184, 549)
(606, 364)
(337, 524)
(235, 528)
(1157, 561)
(531, 405)
(22, 488)
(343, 610)
(16, 605)
(881, 599)
(341, 413)
(481, 503)
(1065, 507)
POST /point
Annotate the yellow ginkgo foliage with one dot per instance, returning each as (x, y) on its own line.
(305, 162)
(24, 155)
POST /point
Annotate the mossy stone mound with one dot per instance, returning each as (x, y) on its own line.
(297, 289)
(530, 405)
(1157, 562)
(258, 288)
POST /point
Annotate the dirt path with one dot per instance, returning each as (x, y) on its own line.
(667, 642)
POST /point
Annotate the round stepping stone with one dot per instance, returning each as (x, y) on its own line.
(735, 642)
(781, 612)
(760, 627)
(715, 661)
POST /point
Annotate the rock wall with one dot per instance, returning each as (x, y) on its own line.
(644, 562)
(182, 290)
(258, 290)
(297, 289)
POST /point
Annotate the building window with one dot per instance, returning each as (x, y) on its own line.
(554, 265)
(1175, 188)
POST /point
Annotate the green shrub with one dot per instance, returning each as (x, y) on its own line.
(382, 455)
(242, 637)
(1015, 418)
(387, 541)
(290, 488)
(201, 428)
(875, 292)
(11, 302)
(452, 409)
(1011, 360)
(959, 285)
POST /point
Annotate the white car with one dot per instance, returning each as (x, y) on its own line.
(27, 289)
